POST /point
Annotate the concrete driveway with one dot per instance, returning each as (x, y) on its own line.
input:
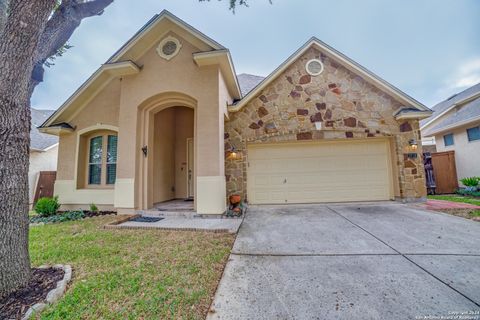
(351, 261)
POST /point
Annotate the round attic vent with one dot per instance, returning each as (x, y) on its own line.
(169, 47)
(314, 67)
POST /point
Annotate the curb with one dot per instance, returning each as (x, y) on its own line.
(53, 295)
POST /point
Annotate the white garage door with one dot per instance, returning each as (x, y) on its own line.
(319, 172)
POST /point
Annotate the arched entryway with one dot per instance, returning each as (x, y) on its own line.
(173, 154)
(167, 164)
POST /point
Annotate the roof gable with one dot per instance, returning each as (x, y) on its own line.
(155, 29)
(343, 60)
(122, 63)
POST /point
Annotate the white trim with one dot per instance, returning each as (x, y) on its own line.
(344, 60)
(457, 104)
(314, 74)
(413, 115)
(46, 149)
(451, 127)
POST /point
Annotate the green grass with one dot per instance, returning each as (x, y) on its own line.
(456, 198)
(131, 274)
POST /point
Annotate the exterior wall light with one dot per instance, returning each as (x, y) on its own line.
(413, 144)
(233, 154)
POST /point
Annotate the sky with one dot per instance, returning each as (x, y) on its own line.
(430, 49)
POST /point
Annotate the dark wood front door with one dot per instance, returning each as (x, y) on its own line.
(45, 184)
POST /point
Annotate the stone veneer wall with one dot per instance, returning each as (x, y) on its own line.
(349, 108)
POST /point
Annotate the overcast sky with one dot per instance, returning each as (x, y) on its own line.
(428, 48)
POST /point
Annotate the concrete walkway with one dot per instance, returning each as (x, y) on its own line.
(228, 225)
(359, 261)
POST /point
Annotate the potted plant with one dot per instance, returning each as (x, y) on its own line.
(470, 183)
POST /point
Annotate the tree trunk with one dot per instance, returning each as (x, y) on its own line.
(18, 42)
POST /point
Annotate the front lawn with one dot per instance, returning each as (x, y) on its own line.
(131, 274)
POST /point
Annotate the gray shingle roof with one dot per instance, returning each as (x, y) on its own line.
(38, 140)
(248, 81)
(465, 112)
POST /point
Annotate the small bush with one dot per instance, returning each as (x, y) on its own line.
(67, 216)
(93, 207)
(46, 207)
(470, 181)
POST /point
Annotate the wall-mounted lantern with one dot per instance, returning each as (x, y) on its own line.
(413, 144)
(145, 151)
(233, 154)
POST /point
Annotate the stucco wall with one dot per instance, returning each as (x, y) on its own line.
(102, 109)
(348, 107)
(183, 130)
(40, 161)
(467, 153)
(164, 156)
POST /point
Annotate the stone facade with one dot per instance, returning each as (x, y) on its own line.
(348, 107)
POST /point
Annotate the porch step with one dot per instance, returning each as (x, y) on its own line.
(182, 214)
(169, 213)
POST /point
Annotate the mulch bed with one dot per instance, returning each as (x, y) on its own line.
(15, 305)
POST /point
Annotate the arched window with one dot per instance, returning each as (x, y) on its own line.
(102, 159)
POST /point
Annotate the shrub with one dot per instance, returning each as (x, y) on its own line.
(465, 192)
(470, 181)
(46, 207)
(67, 216)
(93, 207)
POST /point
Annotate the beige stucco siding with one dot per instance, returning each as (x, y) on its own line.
(161, 76)
(164, 156)
(184, 127)
(102, 109)
(467, 153)
(348, 108)
(123, 103)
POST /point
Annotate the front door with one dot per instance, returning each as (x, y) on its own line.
(190, 172)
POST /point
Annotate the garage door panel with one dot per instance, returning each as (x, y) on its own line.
(319, 172)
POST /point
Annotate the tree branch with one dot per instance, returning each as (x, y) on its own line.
(60, 27)
(92, 8)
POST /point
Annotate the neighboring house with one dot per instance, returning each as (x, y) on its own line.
(43, 150)
(165, 118)
(455, 125)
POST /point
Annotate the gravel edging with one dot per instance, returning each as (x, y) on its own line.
(53, 295)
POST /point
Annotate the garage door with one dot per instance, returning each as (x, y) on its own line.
(319, 172)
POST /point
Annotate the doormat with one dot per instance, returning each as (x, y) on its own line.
(146, 219)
